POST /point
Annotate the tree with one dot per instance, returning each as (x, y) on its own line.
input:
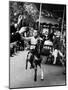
(15, 8)
(31, 9)
(27, 10)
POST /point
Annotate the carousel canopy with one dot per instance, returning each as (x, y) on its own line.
(47, 20)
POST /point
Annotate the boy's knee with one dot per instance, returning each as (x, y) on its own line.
(29, 55)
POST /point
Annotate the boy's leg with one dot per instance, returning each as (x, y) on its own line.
(31, 61)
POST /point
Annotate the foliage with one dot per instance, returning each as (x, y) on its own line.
(32, 10)
(15, 9)
(27, 10)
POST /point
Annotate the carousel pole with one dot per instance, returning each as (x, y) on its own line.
(62, 24)
(62, 37)
(40, 15)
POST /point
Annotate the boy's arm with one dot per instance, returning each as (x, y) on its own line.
(39, 38)
(26, 38)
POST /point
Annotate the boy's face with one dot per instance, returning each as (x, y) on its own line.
(45, 32)
(35, 33)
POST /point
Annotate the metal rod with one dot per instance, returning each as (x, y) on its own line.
(62, 23)
(40, 15)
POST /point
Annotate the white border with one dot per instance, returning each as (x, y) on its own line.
(4, 43)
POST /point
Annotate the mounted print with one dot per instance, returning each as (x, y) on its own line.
(37, 46)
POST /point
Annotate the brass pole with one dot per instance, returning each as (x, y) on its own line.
(40, 15)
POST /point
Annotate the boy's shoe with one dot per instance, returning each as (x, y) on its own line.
(31, 67)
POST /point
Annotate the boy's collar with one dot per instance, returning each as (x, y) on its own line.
(35, 36)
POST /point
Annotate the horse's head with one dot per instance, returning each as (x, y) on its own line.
(38, 46)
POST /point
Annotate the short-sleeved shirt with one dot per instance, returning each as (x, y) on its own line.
(33, 42)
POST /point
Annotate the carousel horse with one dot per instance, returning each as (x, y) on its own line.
(33, 57)
(39, 58)
(55, 55)
(45, 52)
(22, 32)
(14, 36)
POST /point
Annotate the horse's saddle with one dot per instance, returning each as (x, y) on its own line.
(47, 46)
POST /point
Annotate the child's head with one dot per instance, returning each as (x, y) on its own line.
(45, 32)
(35, 33)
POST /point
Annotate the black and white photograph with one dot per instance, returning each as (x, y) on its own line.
(37, 44)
